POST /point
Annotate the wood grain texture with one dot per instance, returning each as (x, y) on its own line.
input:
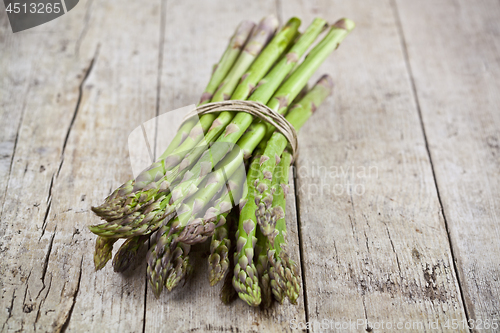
(453, 55)
(186, 68)
(97, 71)
(374, 239)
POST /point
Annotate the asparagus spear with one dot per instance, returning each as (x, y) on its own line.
(218, 260)
(123, 259)
(297, 116)
(245, 279)
(217, 271)
(179, 267)
(283, 271)
(262, 265)
(252, 50)
(103, 251)
(161, 253)
(244, 268)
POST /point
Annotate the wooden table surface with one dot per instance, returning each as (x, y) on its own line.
(396, 210)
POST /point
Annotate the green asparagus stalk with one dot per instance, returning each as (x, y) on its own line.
(297, 116)
(200, 229)
(124, 258)
(218, 260)
(244, 275)
(312, 61)
(103, 252)
(245, 279)
(252, 50)
(137, 223)
(178, 267)
(226, 262)
(262, 265)
(283, 271)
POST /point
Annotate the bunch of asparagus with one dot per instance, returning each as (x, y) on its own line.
(199, 187)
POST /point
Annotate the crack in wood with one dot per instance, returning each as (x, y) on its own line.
(46, 259)
(26, 293)
(9, 309)
(393, 250)
(47, 211)
(301, 246)
(77, 107)
(42, 301)
(368, 328)
(49, 195)
(62, 321)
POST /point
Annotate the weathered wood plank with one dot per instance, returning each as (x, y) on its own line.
(374, 240)
(97, 82)
(187, 63)
(453, 52)
(48, 102)
(17, 54)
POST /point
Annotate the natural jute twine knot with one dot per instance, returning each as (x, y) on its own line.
(256, 109)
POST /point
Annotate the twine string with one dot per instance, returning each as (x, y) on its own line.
(256, 109)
